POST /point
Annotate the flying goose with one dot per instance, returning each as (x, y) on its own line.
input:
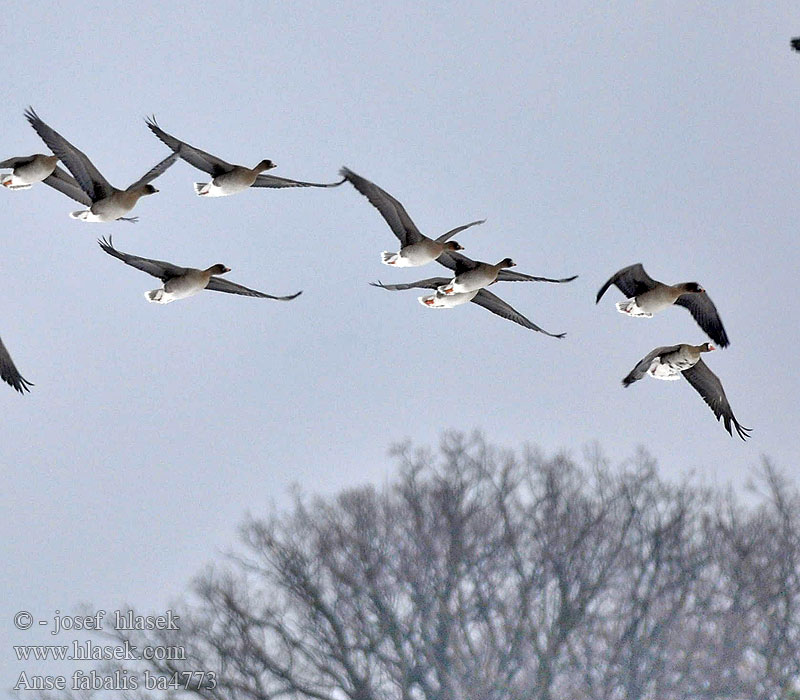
(647, 297)
(9, 373)
(481, 297)
(105, 202)
(227, 178)
(27, 170)
(671, 361)
(471, 274)
(182, 282)
(415, 248)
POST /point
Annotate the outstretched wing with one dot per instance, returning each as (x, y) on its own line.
(644, 364)
(457, 262)
(511, 276)
(154, 172)
(194, 156)
(430, 283)
(391, 210)
(68, 185)
(265, 180)
(497, 306)
(16, 162)
(9, 373)
(705, 313)
(458, 229)
(88, 177)
(158, 268)
(631, 280)
(708, 385)
(218, 284)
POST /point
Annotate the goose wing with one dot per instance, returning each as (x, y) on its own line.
(157, 268)
(391, 210)
(155, 171)
(194, 156)
(457, 262)
(9, 373)
(264, 180)
(87, 176)
(16, 161)
(458, 229)
(497, 306)
(430, 283)
(705, 313)
(511, 276)
(218, 284)
(68, 185)
(631, 280)
(708, 385)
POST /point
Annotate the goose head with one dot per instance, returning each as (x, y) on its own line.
(507, 262)
(218, 269)
(692, 288)
(453, 245)
(265, 164)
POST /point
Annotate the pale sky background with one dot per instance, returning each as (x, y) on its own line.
(590, 137)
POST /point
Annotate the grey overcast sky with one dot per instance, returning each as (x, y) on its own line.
(589, 135)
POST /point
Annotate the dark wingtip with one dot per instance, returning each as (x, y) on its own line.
(795, 43)
(30, 114)
(23, 385)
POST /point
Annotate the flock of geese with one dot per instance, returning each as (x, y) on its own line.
(467, 282)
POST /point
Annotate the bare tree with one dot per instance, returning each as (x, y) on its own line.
(486, 575)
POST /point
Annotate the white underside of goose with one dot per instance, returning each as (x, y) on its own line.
(642, 308)
(470, 281)
(89, 217)
(161, 296)
(218, 189)
(14, 182)
(178, 288)
(102, 211)
(446, 301)
(410, 256)
(26, 175)
(670, 369)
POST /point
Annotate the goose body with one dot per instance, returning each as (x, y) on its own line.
(182, 282)
(415, 248)
(191, 282)
(647, 297)
(233, 181)
(105, 202)
(113, 207)
(674, 361)
(481, 275)
(27, 170)
(227, 178)
(481, 297)
(420, 253)
(437, 300)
